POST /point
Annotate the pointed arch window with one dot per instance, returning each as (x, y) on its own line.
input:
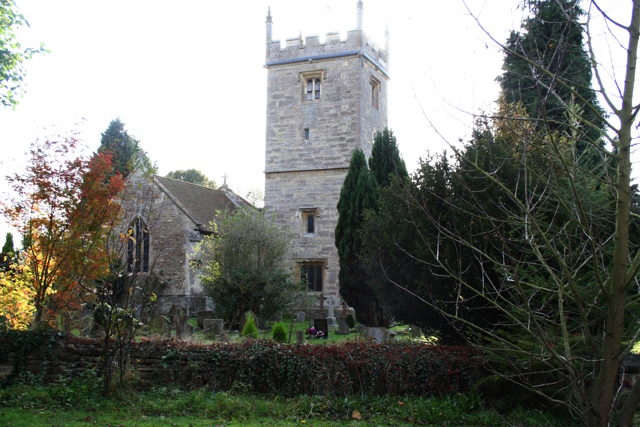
(312, 82)
(138, 247)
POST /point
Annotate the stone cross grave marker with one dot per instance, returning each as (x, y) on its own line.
(321, 298)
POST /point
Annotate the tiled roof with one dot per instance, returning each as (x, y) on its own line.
(198, 202)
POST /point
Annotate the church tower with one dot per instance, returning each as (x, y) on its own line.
(323, 101)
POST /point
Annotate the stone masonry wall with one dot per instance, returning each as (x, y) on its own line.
(308, 173)
(169, 231)
(288, 194)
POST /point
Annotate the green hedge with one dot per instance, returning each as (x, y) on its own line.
(344, 369)
(266, 367)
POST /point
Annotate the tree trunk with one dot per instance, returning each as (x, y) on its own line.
(603, 388)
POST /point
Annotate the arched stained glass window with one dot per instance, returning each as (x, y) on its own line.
(138, 247)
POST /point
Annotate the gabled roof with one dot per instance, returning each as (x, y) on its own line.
(200, 203)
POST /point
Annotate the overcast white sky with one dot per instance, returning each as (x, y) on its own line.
(188, 78)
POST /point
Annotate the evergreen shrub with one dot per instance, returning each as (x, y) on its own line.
(279, 333)
(250, 329)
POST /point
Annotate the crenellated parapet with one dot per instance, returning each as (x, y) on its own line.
(310, 49)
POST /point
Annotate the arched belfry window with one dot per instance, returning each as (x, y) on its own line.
(138, 247)
(312, 82)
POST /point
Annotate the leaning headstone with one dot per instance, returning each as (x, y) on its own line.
(322, 325)
(205, 314)
(299, 337)
(343, 328)
(311, 322)
(160, 326)
(213, 327)
(300, 316)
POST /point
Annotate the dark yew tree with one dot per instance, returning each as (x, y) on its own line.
(385, 161)
(7, 248)
(359, 193)
(547, 226)
(547, 67)
(124, 148)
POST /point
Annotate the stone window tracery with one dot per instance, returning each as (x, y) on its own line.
(138, 247)
(312, 275)
(313, 89)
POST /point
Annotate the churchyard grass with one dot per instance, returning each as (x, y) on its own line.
(74, 404)
(233, 336)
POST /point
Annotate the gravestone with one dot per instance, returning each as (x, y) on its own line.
(330, 317)
(300, 316)
(299, 337)
(261, 323)
(205, 314)
(213, 327)
(322, 325)
(160, 326)
(189, 330)
(343, 328)
(380, 334)
(416, 332)
(181, 326)
(179, 320)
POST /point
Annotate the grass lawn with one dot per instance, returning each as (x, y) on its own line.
(233, 336)
(78, 403)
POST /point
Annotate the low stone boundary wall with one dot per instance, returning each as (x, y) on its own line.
(258, 366)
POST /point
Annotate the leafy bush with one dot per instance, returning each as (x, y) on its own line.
(250, 329)
(279, 332)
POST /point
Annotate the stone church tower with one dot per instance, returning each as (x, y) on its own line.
(323, 101)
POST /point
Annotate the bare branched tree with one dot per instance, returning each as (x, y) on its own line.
(533, 225)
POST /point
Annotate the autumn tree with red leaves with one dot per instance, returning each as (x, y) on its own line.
(63, 204)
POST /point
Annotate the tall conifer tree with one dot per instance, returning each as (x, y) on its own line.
(359, 193)
(8, 244)
(125, 148)
(547, 69)
(385, 159)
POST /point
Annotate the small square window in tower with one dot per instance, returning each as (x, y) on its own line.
(312, 275)
(375, 92)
